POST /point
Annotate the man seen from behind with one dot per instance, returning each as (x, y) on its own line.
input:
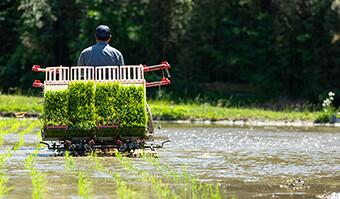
(101, 54)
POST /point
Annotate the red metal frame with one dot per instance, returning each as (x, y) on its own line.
(48, 127)
(163, 65)
(38, 69)
(100, 127)
(164, 81)
(38, 84)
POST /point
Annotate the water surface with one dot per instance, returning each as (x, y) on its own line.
(249, 162)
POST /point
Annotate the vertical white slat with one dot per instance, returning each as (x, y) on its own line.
(85, 70)
(61, 75)
(46, 75)
(55, 74)
(134, 72)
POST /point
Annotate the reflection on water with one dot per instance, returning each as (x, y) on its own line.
(251, 162)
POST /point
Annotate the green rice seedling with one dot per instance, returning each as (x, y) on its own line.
(82, 105)
(9, 153)
(127, 102)
(4, 156)
(122, 189)
(198, 190)
(32, 126)
(4, 124)
(3, 176)
(56, 106)
(3, 189)
(84, 185)
(13, 127)
(18, 144)
(38, 178)
(162, 190)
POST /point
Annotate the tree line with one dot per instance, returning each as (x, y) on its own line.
(217, 48)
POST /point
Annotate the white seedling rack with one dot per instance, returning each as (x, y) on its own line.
(59, 77)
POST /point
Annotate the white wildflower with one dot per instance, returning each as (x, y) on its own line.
(331, 94)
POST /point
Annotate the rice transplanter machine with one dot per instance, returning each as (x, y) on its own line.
(59, 78)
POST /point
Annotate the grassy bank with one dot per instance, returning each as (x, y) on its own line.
(17, 103)
(167, 110)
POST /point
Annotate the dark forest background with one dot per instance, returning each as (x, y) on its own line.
(246, 49)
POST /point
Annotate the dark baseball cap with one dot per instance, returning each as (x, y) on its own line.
(103, 30)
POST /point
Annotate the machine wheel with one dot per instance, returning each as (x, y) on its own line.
(150, 123)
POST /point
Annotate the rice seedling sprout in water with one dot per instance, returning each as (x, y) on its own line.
(84, 185)
(162, 190)
(122, 189)
(198, 190)
(38, 179)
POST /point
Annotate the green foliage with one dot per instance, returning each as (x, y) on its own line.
(278, 48)
(106, 100)
(131, 107)
(56, 105)
(328, 109)
(82, 105)
(115, 100)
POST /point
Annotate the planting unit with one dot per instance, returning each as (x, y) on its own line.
(98, 108)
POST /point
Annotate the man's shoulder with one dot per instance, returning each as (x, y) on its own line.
(112, 49)
(88, 49)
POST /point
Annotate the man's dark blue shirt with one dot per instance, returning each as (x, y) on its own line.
(100, 54)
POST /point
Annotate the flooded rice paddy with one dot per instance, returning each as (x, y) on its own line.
(246, 162)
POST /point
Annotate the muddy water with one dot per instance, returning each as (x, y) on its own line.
(248, 162)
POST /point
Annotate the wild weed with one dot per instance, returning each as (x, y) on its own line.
(327, 109)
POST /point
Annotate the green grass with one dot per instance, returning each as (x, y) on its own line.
(18, 103)
(167, 110)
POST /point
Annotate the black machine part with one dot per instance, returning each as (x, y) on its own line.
(86, 146)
